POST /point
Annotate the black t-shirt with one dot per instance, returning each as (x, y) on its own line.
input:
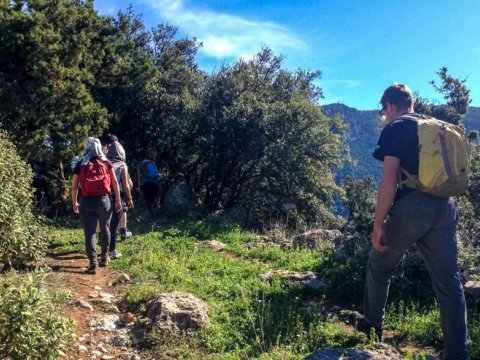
(400, 139)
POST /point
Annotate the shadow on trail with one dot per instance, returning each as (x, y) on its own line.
(67, 255)
(68, 269)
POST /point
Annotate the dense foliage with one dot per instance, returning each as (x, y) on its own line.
(49, 53)
(21, 237)
(262, 141)
(30, 326)
(456, 95)
(251, 134)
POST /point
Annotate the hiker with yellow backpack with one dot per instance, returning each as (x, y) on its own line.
(425, 163)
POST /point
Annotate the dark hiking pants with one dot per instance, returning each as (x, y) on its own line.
(93, 209)
(430, 222)
(150, 191)
(115, 226)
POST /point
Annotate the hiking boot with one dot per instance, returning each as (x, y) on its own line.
(366, 328)
(115, 254)
(125, 234)
(92, 268)
(104, 260)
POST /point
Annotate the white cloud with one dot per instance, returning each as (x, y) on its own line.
(332, 88)
(224, 35)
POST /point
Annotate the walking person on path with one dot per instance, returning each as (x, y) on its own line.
(149, 185)
(116, 154)
(97, 179)
(407, 216)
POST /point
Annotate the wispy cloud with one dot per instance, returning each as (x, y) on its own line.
(333, 87)
(225, 35)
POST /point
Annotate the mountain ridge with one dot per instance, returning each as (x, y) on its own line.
(362, 136)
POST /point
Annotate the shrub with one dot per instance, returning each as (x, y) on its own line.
(21, 238)
(30, 328)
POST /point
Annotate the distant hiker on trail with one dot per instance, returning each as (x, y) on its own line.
(39, 184)
(149, 185)
(116, 154)
(96, 176)
(407, 216)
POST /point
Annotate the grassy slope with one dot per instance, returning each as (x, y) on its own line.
(250, 318)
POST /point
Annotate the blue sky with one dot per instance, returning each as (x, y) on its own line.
(361, 46)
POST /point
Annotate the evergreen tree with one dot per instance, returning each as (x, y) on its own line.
(263, 142)
(456, 95)
(49, 51)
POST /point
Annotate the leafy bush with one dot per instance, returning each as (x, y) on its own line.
(30, 329)
(21, 238)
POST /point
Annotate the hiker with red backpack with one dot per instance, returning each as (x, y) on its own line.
(96, 176)
(422, 213)
(116, 154)
(148, 179)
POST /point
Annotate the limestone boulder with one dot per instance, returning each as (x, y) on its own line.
(379, 351)
(178, 311)
(473, 288)
(179, 199)
(317, 239)
(308, 278)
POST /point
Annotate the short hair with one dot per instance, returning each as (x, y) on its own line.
(399, 95)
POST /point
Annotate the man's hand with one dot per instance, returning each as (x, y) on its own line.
(118, 206)
(130, 203)
(75, 207)
(378, 239)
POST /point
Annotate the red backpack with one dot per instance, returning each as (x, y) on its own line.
(94, 178)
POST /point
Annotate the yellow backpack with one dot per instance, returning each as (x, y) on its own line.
(444, 158)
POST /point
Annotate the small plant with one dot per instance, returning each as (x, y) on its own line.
(30, 328)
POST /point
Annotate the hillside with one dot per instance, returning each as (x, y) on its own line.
(362, 136)
(472, 119)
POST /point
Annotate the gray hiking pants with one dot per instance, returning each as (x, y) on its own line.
(93, 209)
(430, 222)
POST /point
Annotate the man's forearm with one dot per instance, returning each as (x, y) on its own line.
(385, 196)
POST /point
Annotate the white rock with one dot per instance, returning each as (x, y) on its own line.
(84, 304)
(102, 349)
(130, 356)
(119, 341)
(108, 298)
(114, 309)
(107, 323)
(82, 348)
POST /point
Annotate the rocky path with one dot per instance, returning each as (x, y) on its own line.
(102, 325)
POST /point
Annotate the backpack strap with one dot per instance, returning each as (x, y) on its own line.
(443, 143)
(410, 180)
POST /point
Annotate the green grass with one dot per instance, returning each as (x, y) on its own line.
(251, 319)
(415, 323)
